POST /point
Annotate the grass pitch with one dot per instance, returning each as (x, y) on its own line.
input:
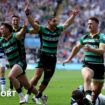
(58, 91)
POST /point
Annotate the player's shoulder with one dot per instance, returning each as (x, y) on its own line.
(60, 27)
(85, 35)
(101, 99)
(1, 39)
(13, 34)
(101, 34)
(19, 28)
(102, 96)
(43, 27)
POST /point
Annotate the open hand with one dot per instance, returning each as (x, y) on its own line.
(27, 9)
(66, 61)
(76, 10)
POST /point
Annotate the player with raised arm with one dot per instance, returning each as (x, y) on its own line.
(50, 37)
(16, 28)
(9, 43)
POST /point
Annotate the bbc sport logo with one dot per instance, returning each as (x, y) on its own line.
(7, 93)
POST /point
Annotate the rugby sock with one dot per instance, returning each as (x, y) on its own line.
(29, 90)
(19, 90)
(39, 95)
(3, 82)
(11, 85)
(21, 94)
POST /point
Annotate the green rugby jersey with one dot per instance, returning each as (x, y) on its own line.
(11, 49)
(50, 39)
(94, 43)
(20, 43)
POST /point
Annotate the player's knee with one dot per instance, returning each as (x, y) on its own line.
(45, 82)
(49, 75)
(87, 78)
(10, 77)
(37, 77)
(34, 80)
(26, 87)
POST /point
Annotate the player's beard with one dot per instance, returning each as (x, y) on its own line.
(5, 35)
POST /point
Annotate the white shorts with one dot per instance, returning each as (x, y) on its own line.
(3, 62)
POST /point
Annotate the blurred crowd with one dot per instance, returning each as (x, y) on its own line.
(42, 9)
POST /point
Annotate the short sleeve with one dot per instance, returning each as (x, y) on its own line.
(61, 27)
(14, 34)
(102, 38)
(41, 28)
(81, 40)
(27, 30)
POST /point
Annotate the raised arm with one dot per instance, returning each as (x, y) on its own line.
(70, 20)
(31, 20)
(20, 34)
(32, 31)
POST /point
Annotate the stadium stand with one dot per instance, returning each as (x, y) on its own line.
(42, 12)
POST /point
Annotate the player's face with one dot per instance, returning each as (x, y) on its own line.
(15, 21)
(53, 22)
(4, 30)
(92, 25)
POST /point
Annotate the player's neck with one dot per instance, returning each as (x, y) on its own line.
(15, 28)
(94, 33)
(51, 28)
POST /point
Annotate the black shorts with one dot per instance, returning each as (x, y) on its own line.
(97, 68)
(47, 62)
(22, 64)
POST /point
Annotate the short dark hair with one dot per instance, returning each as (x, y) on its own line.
(7, 26)
(94, 19)
(77, 97)
(15, 16)
(50, 17)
